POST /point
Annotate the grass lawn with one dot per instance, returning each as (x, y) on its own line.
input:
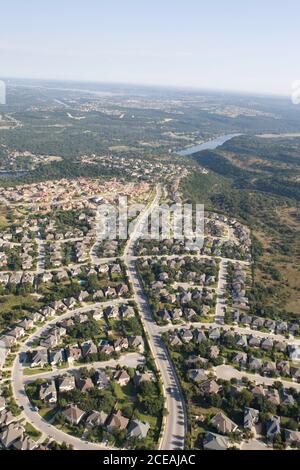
(11, 302)
(47, 413)
(17, 305)
(41, 370)
(64, 365)
(32, 432)
(152, 420)
(124, 393)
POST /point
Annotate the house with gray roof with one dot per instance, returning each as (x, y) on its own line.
(214, 441)
(273, 427)
(223, 424)
(10, 434)
(96, 418)
(48, 392)
(197, 375)
(251, 418)
(138, 429)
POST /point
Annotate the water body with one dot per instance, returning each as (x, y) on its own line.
(209, 145)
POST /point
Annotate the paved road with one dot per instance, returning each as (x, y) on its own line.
(221, 291)
(237, 329)
(128, 359)
(175, 423)
(227, 372)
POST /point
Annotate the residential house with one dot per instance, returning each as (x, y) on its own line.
(272, 395)
(73, 353)
(39, 358)
(48, 392)
(66, 383)
(127, 311)
(120, 344)
(96, 418)
(267, 344)
(287, 399)
(280, 346)
(165, 316)
(6, 418)
(214, 334)
(295, 373)
(273, 427)
(255, 363)
(258, 391)
(257, 323)
(73, 414)
(25, 443)
(294, 352)
(146, 376)
(88, 348)
(122, 290)
(136, 342)
(175, 340)
(186, 335)
(18, 332)
(214, 441)
(209, 387)
(57, 357)
(269, 368)
(281, 327)
(84, 384)
(112, 311)
(117, 421)
(102, 380)
(10, 434)
(292, 438)
(197, 375)
(122, 378)
(254, 341)
(27, 324)
(138, 429)
(251, 418)
(214, 352)
(241, 341)
(223, 424)
(240, 358)
(283, 367)
(199, 336)
(106, 349)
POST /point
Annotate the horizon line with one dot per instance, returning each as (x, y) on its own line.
(154, 85)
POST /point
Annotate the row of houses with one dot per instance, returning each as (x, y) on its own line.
(12, 431)
(257, 323)
(77, 352)
(114, 421)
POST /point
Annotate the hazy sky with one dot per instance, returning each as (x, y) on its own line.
(223, 44)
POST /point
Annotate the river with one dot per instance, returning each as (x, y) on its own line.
(209, 145)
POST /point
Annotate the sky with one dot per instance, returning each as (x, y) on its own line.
(225, 45)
